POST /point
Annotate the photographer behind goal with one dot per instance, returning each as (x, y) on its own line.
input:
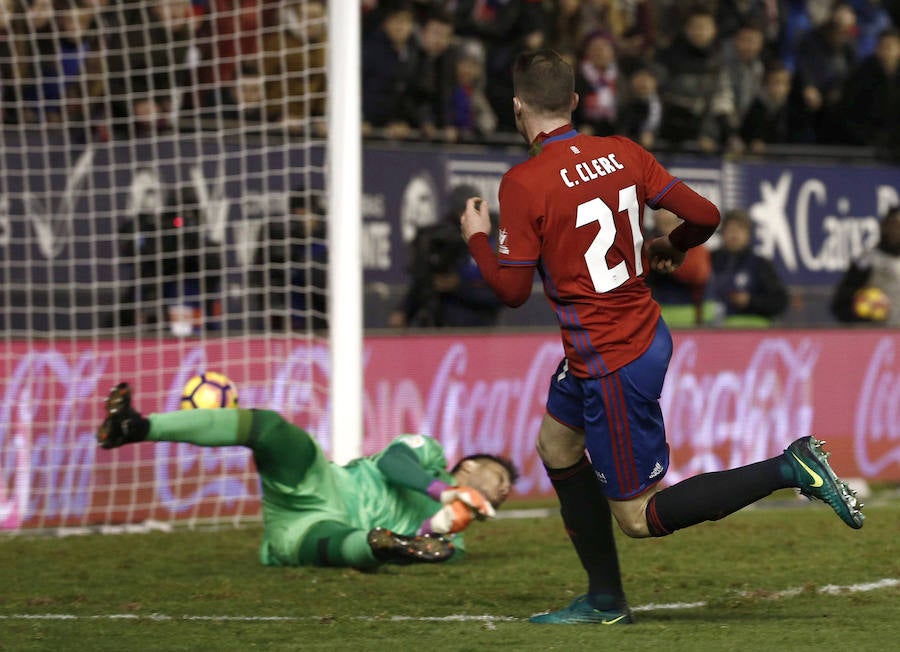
(446, 287)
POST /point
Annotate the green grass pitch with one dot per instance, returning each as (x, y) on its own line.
(755, 581)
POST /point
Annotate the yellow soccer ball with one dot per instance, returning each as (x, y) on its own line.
(871, 303)
(209, 390)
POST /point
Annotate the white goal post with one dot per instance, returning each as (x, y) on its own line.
(345, 199)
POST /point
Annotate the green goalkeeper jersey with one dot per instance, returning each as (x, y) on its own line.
(373, 500)
(301, 488)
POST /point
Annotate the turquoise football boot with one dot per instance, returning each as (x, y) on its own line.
(816, 479)
(581, 612)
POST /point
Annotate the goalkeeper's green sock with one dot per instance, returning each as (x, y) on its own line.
(335, 544)
(215, 427)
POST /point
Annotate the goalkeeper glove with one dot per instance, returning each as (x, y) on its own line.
(474, 499)
(449, 519)
(123, 424)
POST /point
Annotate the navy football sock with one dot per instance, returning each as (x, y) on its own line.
(711, 496)
(588, 521)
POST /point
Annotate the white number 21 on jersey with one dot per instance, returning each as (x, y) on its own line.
(596, 210)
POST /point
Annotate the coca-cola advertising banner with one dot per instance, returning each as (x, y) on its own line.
(730, 398)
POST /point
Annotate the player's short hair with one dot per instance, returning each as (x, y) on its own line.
(544, 81)
(506, 463)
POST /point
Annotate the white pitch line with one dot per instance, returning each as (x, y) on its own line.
(829, 589)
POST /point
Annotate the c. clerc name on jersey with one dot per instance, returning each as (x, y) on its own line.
(590, 170)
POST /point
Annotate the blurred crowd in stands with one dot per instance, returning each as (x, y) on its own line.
(721, 76)
(120, 68)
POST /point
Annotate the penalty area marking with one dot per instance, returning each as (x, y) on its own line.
(829, 589)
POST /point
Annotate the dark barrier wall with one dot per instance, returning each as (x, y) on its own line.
(811, 219)
(61, 204)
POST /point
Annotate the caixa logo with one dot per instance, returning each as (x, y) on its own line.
(807, 229)
(876, 434)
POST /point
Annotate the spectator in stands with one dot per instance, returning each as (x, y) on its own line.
(30, 33)
(388, 73)
(190, 266)
(291, 266)
(697, 106)
(564, 30)
(824, 58)
(234, 33)
(9, 79)
(434, 78)
(777, 115)
(611, 16)
(446, 287)
(150, 65)
(682, 295)
(570, 22)
(54, 73)
(732, 16)
(71, 71)
(870, 104)
(795, 22)
(469, 112)
(744, 70)
(177, 273)
(505, 29)
(641, 115)
(597, 84)
(243, 98)
(293, 67)
(745, 285)
(636, 45)
(893, 9)
(872, 18)
(878, 267)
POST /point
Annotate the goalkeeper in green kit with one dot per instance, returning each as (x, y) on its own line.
(400, 505)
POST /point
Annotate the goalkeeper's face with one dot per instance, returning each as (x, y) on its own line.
(488, 477)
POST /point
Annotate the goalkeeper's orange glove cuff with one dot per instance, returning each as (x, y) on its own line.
(471, 497)
(449, 519)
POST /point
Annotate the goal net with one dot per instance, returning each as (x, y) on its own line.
(162, 213)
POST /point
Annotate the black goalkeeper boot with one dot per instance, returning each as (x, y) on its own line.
(388, 546)
(123, 424)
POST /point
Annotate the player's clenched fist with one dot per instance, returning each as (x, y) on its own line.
(663, 255)
(475, 219)
(472, 498)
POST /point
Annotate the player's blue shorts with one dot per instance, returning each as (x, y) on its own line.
(621, 416)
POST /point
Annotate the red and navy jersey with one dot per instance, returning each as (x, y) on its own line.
(576, 212)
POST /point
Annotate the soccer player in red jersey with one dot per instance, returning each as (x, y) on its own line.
(574, 211)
